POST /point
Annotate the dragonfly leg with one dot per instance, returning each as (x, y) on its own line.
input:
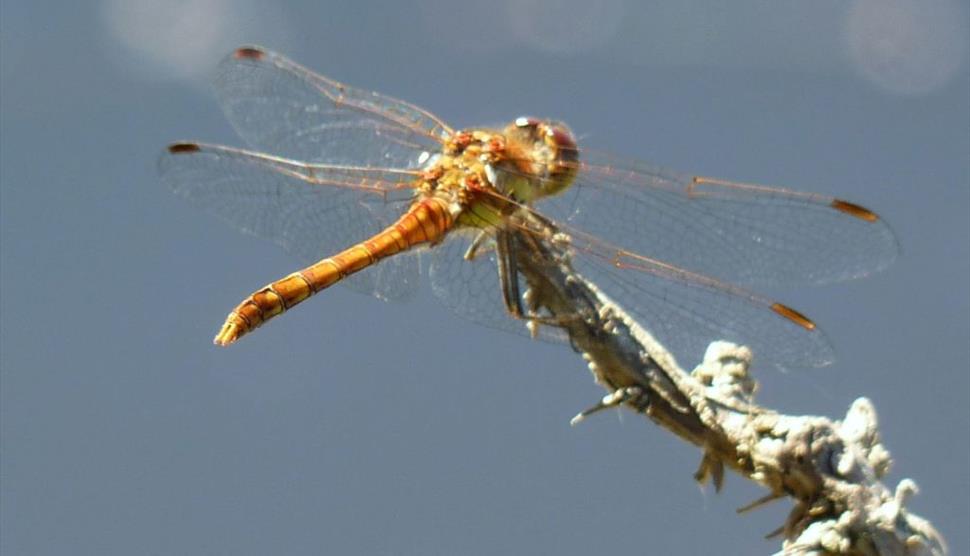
(511, 294)
(508, 276)
(478, 246)
(613, 399)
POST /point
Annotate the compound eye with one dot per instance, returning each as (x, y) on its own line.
(526, 121)
(563, 140)
(561, 136)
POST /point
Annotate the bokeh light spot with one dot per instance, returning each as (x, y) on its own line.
(907, 47)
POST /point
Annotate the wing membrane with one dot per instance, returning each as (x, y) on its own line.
(747, 234)
(311, 210)
(280, 107)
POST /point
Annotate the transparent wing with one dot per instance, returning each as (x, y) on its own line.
(741, 233)
(282, 108)
(311, 210)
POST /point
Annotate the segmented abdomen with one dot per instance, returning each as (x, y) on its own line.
(427, 221)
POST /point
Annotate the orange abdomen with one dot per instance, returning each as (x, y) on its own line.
(427, 221)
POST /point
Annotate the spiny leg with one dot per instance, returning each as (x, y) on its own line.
(478, 246)
(504, 244)
(614, 399)
(511, 295)
(508, 275)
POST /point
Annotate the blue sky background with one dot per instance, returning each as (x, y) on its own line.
(124, 431)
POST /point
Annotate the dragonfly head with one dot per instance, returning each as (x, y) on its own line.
(545, 151)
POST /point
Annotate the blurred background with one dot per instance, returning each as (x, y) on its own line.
(124, 431)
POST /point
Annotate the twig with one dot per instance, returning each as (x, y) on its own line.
(831, 469)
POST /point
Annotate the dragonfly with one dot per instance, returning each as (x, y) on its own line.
(371, 191)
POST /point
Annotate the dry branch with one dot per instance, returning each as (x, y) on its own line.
(831, 469)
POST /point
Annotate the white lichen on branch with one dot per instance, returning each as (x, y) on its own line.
(832, 470)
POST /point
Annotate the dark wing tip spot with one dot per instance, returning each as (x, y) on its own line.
(855, 210)
(249, 53)
(793, 315)
(180, 148)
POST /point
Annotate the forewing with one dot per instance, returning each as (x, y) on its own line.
(745, 234)
(282, 108)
